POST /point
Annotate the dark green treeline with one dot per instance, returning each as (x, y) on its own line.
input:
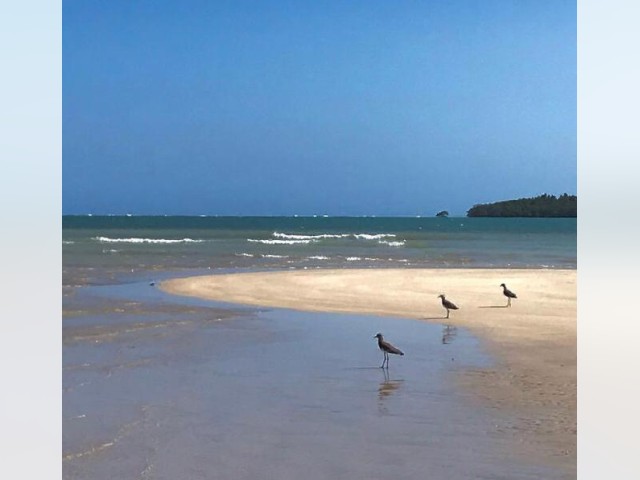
(542, 206)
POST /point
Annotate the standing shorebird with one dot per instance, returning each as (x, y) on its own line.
(447, 304)
(508, 293)
(386, 348)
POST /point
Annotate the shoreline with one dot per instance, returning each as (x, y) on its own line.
(534, 341)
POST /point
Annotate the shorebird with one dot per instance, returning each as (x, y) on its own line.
(386, 348)
(447, 304)
(508, 293)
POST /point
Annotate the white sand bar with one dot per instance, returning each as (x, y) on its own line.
(534, 341)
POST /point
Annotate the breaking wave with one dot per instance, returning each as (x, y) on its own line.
(293, 236)
(392, 244)
(374, 236)
(279, 242)
(145, 240)
(358, 236)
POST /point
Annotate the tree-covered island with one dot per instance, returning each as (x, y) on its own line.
(542, 206)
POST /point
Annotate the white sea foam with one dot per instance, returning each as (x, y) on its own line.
(279, 242)
(293, 236)
(68, 242)
(318, 257)
(353, 259)
(244, 255)
(145, 240)
(392, 244)
(376, 236)
(274, 256)
(358, 236)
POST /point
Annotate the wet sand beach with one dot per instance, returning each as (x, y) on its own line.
(533, 382)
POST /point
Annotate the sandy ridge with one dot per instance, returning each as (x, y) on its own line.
(534, 341)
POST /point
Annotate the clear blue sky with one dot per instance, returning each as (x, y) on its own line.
(299, 107)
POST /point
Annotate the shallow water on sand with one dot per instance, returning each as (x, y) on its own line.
(164, 387)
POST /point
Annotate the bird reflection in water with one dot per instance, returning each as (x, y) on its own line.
(449, 332)
(385, 390)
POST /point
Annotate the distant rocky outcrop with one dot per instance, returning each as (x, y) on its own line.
(443, 213)
(542, 206)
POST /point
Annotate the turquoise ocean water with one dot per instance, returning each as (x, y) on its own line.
(103, 249)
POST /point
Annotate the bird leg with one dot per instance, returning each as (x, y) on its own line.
(447, 313)
(508, 301)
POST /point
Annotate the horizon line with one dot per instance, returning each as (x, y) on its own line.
(245, 215)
